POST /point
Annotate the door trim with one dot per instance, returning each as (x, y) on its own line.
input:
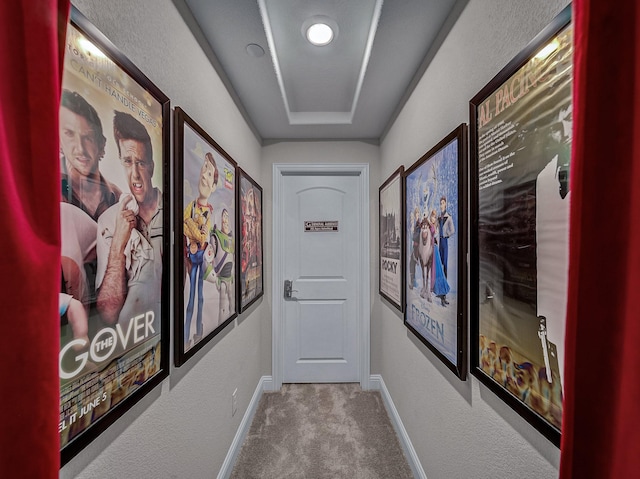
(361, 170)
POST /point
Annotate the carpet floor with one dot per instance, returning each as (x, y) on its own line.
(321, 431)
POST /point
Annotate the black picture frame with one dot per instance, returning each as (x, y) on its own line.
(214, 252)
(434, 319)
(391, 239)
(130, 362)
(519, 159)
(250, 245)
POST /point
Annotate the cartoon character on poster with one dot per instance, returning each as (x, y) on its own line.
(432, 250)
(208, 238)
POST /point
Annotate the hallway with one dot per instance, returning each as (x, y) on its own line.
(321, 431)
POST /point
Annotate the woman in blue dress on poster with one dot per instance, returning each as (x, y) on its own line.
(439, 284)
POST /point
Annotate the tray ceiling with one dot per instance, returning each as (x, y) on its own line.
(352, 88)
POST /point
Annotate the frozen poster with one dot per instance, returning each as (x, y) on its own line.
(433, 243)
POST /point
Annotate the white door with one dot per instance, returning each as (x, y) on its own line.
(321, 248)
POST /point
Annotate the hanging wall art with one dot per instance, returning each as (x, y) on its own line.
(435, 242)
(391, 239)
(520, 152)
(205, 248)
(114, 282)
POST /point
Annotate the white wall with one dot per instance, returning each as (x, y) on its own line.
(184, 427)
(459, 429)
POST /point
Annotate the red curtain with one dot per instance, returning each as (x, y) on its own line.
(601, 425)
(30, 60)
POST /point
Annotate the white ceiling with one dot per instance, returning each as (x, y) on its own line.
(352, 88)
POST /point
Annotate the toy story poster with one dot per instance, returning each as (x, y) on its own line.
(209, 237)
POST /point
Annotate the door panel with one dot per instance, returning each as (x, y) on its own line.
(320, 320)
(321, 330)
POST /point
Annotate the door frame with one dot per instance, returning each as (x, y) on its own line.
(361, 170)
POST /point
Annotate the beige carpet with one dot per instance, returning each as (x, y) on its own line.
(321, 431)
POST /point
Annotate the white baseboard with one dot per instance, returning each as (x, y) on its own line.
(265, 384)
(377, 383)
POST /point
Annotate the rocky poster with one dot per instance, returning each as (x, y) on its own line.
(391, 239)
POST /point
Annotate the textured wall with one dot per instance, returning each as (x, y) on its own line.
(183, 428)
(459, 429)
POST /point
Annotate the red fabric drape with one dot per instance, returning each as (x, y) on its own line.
(601, 425)
(30, 237)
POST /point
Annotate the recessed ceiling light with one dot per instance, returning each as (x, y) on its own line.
(320, 34)
(319, 30)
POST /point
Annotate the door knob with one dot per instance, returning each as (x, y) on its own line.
(288, 288)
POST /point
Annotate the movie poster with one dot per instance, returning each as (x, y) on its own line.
(113, 235)
(390, 240)
(433, 242)
(251, 286)
(208, 206)
(523, 153)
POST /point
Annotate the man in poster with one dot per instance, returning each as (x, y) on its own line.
(129, 242)
(552, 241)
(110, 345)
(523, 225)
(86, 194)
(82, 144)
(446, 229)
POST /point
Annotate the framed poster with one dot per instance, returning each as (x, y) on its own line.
(205, 247)
(114, 284)
(435, 242)
(250, 229)
(390, 240)
(520, 152)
